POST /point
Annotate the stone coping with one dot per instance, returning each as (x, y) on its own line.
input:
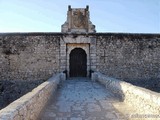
(134, 35)
(29, 106)
(142, 99)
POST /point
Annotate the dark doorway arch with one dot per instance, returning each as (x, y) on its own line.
(78, 63)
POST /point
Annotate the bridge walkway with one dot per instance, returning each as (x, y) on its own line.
(82, 99)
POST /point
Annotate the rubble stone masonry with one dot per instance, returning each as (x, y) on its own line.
(129, 56)
(28, 56)
(35, 56)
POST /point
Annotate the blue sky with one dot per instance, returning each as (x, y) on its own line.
(129, 16)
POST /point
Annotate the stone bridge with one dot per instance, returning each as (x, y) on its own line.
(98, 98)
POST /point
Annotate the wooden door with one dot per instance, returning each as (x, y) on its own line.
(78, 63)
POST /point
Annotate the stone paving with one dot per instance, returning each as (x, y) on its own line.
(82, 99)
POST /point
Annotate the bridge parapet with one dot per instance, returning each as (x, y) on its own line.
(143, 100)
(29, 106)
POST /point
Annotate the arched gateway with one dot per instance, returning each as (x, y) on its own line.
(77, 47)
(78, 63)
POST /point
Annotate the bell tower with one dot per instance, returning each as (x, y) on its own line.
(78, 21)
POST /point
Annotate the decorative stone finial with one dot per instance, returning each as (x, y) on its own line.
(69, 7)
(87, 8)
(78, 21)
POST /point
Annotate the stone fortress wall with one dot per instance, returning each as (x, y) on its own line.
(28, 56)
(129, 56)
(35, 56)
